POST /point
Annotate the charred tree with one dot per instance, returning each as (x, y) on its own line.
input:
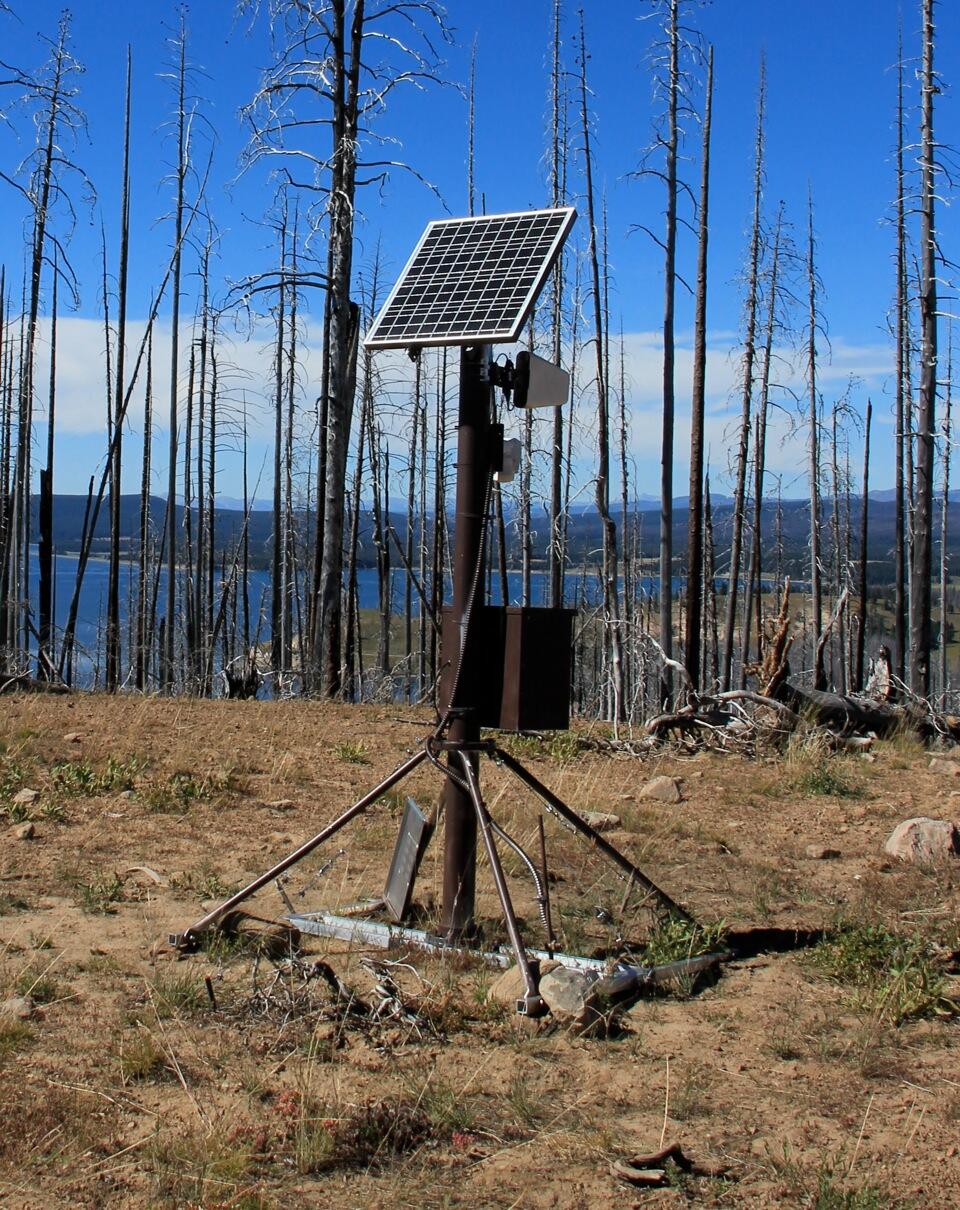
(694, 613)
(921, 637)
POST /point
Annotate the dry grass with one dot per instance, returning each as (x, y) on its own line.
(827, 1080)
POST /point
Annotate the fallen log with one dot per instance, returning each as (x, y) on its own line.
(847, 715)
(24, 683)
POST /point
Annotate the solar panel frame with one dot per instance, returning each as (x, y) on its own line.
(471, 280)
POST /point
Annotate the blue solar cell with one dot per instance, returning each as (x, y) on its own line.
(471, 280)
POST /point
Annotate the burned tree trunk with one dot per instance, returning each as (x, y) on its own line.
(921, 636)
(692, 643)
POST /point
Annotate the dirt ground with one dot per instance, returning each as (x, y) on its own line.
(230, 1079)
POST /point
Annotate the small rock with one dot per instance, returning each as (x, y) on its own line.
(578, 999)
(73, 737)
(17, 1008)
(819, 852)
(25, 797)
(24, 831)
(569, 992)
(663, 789)
(602, 821)
(281, 804)
(508, 988)
(869, 757)
(924, 840)
(949, 768)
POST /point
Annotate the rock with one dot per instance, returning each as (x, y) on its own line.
(73, 737)
(568, 991)
(924, 840)
(819, 852)
(17, 1008)
(869, 757)
(281, 804)
(508, 988)
(602, 821)
(663, 789)
(949, 768)
(24, 797)
(579, 1000)
(24, 831)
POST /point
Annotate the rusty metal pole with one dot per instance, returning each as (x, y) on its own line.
(473, 473)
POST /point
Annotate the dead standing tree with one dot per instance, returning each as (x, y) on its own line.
(747, 370)
(692, 642)
(921, 630)
(49, 98)
(335, 65)
(673, 56)
(613, 639)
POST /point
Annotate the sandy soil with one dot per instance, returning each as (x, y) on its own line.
(127, 1086)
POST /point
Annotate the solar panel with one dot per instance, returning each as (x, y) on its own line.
(471, 280)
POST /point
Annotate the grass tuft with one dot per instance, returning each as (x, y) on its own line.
(894, 976)
(101, 895)
(675, 939)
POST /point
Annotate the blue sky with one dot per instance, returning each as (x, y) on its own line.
(831, 106)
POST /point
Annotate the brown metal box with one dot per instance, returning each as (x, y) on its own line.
(481, 682)
(518, 676)
(536, 669)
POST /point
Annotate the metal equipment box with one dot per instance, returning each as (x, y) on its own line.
(518, 675)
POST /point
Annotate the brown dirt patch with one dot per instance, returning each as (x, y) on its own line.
(128, 1088)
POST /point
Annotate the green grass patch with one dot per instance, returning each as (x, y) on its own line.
(675, 939)
(826, 780)
(351, 753)
(14, 1036)
(101, 894)
(894, 976)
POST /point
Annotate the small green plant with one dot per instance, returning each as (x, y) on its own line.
(525, 1101)
(894, 976)
(447, 1110)
(53, 811)
(832, 1193)
(79, 779)
(13, 775)
(182, 789)
(351, 753)
(73, 779)
(177, 995)
(197, 1169)
(101, 894)
(140, 1057)
(14, 1035)
(523, 747)
(826, 780)
(203, 881)
(690, 1096)
(676, 938)
(564, 746)
(17, 812)
(120, 774)
(42, 989)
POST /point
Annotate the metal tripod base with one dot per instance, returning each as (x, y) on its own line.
(531, 1003)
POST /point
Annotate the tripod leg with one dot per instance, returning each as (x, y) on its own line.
(532, 1004)
(581, 825)
(188, 939)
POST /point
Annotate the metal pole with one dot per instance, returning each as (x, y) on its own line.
(473, 473)
(186, 939)
(580, 824)
(530, 1003)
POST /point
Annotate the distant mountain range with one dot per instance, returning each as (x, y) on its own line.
(584, 530)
